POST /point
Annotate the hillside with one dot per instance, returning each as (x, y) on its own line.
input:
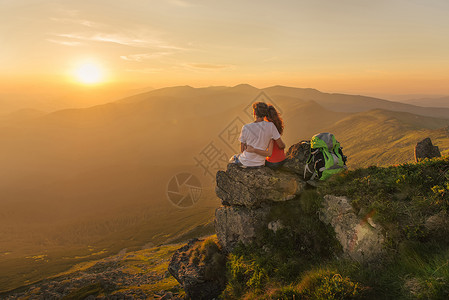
(384, 138)
(93, 175)
(138, 274)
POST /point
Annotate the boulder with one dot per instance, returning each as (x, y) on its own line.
(191, 273)
(252, 187)
(238, 224)
(438, 224)
(425, 149)
(297, 156)
(360, 238)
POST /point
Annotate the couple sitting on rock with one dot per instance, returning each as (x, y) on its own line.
(260, 141)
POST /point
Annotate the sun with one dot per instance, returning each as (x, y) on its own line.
(89, 73)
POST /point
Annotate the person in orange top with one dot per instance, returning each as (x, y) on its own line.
(275, 156)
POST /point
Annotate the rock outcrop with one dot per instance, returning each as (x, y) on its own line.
(256, 187)
(360, 238)
(297, 156)
(239, 224)
(249, 194)
(196, 276)
(425, 149)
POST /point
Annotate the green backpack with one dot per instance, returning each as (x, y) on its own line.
(326, 157)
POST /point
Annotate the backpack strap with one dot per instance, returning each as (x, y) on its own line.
(310, 160)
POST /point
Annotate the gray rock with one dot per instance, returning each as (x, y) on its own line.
(238, 224)
(360, 238)
(254, 187)
(425, 149)
(191, 274)
(297, 156)
(438, 224)
(275, 226)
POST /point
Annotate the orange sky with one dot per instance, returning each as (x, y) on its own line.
(354, 46)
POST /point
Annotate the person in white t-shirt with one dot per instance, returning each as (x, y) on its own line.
(258, 135)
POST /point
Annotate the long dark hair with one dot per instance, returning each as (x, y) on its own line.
(274, 117)
(260, 109)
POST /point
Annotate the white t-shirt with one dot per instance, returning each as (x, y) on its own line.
(257, 135)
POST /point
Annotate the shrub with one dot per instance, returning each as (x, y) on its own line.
(243, 274)
(324, 284)
(208, 253)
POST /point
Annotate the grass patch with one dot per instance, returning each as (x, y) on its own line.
(400, 198)
(85, 291)
(301, 259)
(207, 253)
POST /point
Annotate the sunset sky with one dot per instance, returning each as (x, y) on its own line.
(357, 46)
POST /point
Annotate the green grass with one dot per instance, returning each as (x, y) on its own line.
(416, 270)
(302, 261)
(401, 198)
(85, 291)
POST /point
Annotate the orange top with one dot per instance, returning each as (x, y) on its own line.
(277, 155)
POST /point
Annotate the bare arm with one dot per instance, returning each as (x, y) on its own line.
(280, 143)
(265, 153)
(242, 147)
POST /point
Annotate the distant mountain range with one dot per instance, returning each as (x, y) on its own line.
(429, 102)
(101, 165)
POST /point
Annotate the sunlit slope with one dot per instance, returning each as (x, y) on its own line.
(384, 138)
(129, 273)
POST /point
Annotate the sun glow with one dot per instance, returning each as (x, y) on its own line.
(89, 73)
